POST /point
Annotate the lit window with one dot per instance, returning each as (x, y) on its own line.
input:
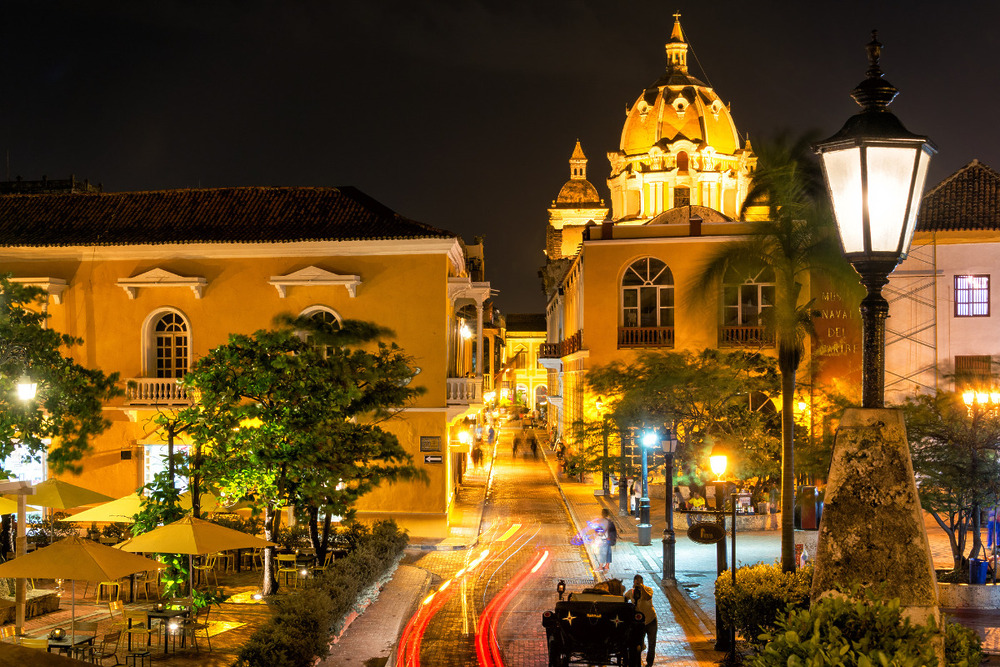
(972, 296)
(325, 318)
(155, 461)
(170, 335)
(745, 302)
(648, 294)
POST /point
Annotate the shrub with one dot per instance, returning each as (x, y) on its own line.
(763, 593)
(962, 646)
(302, 624)
(849, 629)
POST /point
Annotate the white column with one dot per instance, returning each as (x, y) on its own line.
(479, 341)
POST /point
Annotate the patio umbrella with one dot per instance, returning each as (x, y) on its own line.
(8, 506)
(122, 509)
(63, 495)
(76, 558)
(192, 537)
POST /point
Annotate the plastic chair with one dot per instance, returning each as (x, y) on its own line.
(85, 629)
(226, 559)
(41, 643)
(287, 566)
(198, 623)
(108, 648)
(6, 633)
(208, 568)
(109, 585)
(135, 624)
(326, 562)
(116, 610)
(144, 580)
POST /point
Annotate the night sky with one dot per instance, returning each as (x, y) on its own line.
(458, 114)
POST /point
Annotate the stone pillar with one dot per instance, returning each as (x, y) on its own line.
(479, 345)
(872, 531)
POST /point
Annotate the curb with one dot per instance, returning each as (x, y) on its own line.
(574, 519)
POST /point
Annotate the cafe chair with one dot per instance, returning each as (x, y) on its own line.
(226, 559)
(41, 643)
(144, 580)
(110, 585)
(287, 566)
(252, 559)
(327, 559)
(207, 568)
(85, 629)
(136, 624)
(198, 624)
(116, 610)
(108, 648)
(6, 633)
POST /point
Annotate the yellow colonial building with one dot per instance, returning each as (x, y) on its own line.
(525, 380)
(153, 280)
(621, 284)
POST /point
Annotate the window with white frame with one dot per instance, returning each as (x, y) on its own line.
(647, 294)
(746, 296)
(23, 465)
(326, 317)
(154, 461)
(171, 345)
(972, 296)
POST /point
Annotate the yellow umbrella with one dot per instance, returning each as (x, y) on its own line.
(122, 509)
(8, 506)
(76, 558)
(193, 536)
(63, 495)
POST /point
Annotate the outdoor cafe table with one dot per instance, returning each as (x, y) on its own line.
(65, 646)
(165, 615)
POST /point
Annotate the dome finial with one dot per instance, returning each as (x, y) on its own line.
(874, 93)
(677, 48)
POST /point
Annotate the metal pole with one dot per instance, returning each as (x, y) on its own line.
(645, 529)
(721, 637)
(874, 310)
(622, 481)
(20, 549)
(669, 539)
(605, 483)
(732, 626)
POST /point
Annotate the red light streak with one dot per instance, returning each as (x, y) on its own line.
(487, 647)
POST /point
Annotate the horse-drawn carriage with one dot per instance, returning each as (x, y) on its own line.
(594, 627)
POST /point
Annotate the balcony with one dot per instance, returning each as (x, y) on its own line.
(155, 391)
(745, 337)
(463, 391)
(564, 347)
(645, 337)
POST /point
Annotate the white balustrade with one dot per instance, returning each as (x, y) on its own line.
(155, 391)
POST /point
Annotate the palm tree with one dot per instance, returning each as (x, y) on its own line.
(798, 239)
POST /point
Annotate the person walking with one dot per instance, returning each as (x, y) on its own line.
(642, 597)
(533, 443)
(607, 536)
(636, 496)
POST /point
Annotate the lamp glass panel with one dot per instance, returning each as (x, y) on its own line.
(843, 175)
(918, 191)
(890, 174)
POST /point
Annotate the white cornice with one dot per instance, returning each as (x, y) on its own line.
(313, 276)
(197, 251)
(53, 286)
(162, 278)
(463, 288)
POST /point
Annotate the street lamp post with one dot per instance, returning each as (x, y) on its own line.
(875, 171)
(645, 528)
(718, 461)
(669, 444)
(26, 392)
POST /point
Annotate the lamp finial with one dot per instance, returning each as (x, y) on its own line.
(874, 93)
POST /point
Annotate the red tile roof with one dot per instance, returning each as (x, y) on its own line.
(968, 199)
(221, 215)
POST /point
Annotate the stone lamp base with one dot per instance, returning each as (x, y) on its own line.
(872, 532)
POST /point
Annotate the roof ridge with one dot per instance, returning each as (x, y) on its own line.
(949, 179)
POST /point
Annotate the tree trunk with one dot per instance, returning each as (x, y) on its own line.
(320, 542)
(956, 555)
(6, 541)
(787, 366)
(272, 521)
(977, 532)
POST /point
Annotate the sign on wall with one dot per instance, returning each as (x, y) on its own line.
(432, 458)
(430, 443)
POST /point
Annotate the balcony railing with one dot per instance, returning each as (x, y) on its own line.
(645, 336)
(464, 390)
(745, 337)
(564, 347)
(155, 391)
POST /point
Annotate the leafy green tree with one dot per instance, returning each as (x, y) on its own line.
(711, 392)
(956, 459)
(67, 408)
(798, 239)
(294, 419)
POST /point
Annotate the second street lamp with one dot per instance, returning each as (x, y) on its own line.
(650, 439)
(669, 444)
(718, 460)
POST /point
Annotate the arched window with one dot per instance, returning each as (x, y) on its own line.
(647, 294)
(171, 345)
(541, 395)
(682, 197)
(682, 161)
(520, 361)
(323, 316)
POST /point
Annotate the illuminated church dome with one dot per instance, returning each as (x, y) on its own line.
(679, 147)
(577, 205)
(578, 192)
